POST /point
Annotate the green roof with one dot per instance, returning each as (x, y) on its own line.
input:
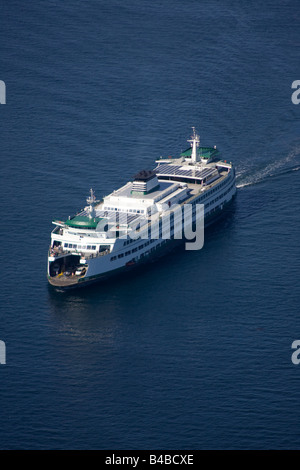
(81, 221)
(187, 152)
(204, 152)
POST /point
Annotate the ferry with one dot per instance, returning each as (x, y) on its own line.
(128, 227)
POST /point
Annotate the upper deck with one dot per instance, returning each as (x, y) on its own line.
(172, 181)
(186, 172)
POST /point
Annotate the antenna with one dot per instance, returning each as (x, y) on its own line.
(195, 141)
(91, 201)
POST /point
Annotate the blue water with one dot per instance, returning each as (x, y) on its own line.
(194, 351)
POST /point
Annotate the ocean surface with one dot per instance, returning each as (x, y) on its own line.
(193, 351)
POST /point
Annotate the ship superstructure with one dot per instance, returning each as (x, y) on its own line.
(126, 227)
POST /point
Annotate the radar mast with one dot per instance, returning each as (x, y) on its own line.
(195, 141)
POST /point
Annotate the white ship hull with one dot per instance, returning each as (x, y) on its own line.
(90, 248)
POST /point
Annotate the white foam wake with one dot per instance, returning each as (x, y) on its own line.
(275, 168)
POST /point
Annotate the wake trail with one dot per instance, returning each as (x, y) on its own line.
(274, 169)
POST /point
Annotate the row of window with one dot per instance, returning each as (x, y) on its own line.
(134, 211)
(226, 192)
(217, 198)
(127, 242)
(211, 191)
(83, 247)
(222, 195)
(134, 250)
